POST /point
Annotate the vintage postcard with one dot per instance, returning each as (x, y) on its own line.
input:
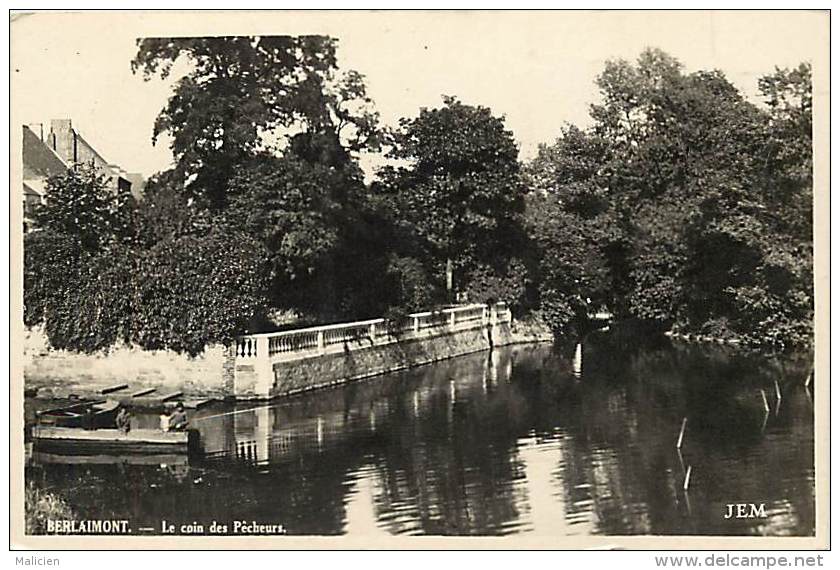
(419, 280)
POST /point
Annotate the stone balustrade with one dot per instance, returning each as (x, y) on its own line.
(255, 355)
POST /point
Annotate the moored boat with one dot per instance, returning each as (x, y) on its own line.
(147, 441)
(88, 415)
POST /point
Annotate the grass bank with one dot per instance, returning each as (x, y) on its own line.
(41, 505)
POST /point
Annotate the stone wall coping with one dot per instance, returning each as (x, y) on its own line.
(358, 323)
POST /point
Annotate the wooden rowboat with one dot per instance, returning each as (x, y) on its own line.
(78, 440)
(89, 415)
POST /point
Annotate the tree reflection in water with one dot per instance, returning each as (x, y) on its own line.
(497, 443)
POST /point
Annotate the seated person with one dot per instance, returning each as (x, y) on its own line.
(178, 420)
(123, 420)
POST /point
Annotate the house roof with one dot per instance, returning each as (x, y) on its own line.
(39, 160)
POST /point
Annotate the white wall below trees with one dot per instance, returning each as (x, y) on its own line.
(61, 372)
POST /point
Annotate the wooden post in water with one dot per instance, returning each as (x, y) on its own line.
(577, 361)
(778, 390)
(687, 479)
(764, 397)
(682, 433)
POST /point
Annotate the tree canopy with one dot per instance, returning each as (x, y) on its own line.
(708, 196)
(459, 190)
(242, 95)
(683, 205)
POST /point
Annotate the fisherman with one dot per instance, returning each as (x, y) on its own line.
(123, 420)
(88, 417)
(178, 419)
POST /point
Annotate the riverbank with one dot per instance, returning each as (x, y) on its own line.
(702, 338)
(276, 364)
(42, 505)
(529, 329)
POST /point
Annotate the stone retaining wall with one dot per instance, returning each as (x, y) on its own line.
(330, 369)
(59, 372)
(216, 373)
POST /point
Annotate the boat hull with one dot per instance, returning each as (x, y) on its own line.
(155, 459)
(141, 441)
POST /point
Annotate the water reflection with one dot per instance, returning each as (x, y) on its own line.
(497, 443)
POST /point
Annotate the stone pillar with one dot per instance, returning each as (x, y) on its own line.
(264, 370)
(229, 371)
(494, 325)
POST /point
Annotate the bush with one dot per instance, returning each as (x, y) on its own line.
(557, 311)
(95, 307)
(411, 288)
(193, 291)
(181, 294)
(50, 266)
(505, 284)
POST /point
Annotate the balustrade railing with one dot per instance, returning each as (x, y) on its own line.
(246, 347)
(354, 332)
(317, 339)
(300, 340)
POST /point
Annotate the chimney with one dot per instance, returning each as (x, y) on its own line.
(63, 139)
(31, 127)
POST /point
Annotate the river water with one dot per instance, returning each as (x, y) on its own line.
(526, 439)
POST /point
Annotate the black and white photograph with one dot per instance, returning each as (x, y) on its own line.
(514, 279)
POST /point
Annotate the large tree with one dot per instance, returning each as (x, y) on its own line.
(572, 228)
(246, 94)
(458, 189)
(76, 270)
(81, 205)
(265, 133)
(100, 270)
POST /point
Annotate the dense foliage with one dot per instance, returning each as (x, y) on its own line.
(247, 94)
(195, 290)
(701, 202)
(96, 283)
(459, 196)
(684, 205)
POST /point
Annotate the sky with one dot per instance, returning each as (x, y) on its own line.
(537, 69)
